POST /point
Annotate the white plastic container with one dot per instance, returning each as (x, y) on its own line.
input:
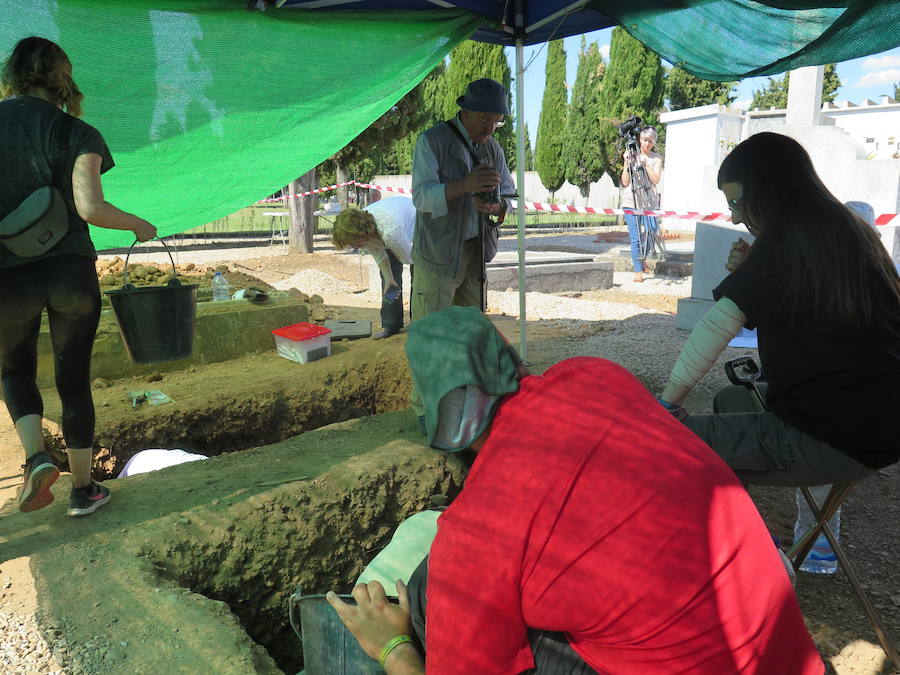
(303, 342)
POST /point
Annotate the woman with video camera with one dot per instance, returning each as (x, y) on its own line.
(825, 298)
(45, 145)
(652, 163)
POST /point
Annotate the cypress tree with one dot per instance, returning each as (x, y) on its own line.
(582, 141)
(470, 61)
(632, 85)
(689, 91)
(552, 123)
(529, 155)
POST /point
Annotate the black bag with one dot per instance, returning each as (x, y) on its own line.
(37, 224)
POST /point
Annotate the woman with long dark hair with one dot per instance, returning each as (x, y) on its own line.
(46, 145)
(825, 298)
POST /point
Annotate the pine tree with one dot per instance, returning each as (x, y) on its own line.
(830, 83)
(377, 140)
(470, 61)
(775, 93)
(434, 110)
(689, 91)
(772, 95)
(632, 85)
(582, 140)
(552, 122)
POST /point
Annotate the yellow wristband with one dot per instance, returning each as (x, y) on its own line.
(391, 645)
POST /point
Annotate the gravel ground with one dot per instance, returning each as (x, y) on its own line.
(314, 281)
(23, 648)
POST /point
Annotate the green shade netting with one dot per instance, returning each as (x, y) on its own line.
(207, 107)
(733, 39)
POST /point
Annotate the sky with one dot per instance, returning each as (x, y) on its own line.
(867, 77)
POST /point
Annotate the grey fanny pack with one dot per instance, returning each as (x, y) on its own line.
(37, 224)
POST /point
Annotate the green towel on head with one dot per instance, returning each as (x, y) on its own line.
(455, 348)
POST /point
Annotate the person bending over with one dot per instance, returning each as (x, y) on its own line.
(593, 531)
(825, 299)
(385, 229)
(41, 99)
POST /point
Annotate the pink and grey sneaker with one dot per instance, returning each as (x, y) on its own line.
(83, 501)
(40, 474)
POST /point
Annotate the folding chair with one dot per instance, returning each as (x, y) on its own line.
(744, 371)
(802, 547)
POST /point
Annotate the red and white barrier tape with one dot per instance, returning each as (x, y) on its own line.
(328, 188)
(883, 219)
(384, 188)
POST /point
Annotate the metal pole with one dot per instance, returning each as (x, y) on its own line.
(520, 188)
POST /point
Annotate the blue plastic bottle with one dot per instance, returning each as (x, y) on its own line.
(221, 289)
(821, 558)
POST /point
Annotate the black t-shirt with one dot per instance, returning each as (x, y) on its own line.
(837, 383)
(28, 128)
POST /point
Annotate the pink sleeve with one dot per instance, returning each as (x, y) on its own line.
(473, 620)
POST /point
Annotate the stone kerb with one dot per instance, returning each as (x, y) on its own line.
(548, 277)
(224, 330)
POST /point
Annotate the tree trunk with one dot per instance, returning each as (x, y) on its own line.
(303, 222)
(341, 176)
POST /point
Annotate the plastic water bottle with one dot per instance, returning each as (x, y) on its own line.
(821, 558)
(221, 289)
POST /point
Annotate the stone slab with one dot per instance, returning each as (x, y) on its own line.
(553, 277)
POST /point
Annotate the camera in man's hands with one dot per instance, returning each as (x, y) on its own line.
(491, 196)
(630, 130)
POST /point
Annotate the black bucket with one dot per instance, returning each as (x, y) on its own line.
(156, 322)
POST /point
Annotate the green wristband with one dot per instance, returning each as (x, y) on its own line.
(391, 645)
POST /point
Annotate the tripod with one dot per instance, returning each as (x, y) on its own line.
(645, 198)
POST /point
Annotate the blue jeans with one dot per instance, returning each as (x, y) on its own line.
(634, 235)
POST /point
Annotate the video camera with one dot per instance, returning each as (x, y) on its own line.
(630, 130)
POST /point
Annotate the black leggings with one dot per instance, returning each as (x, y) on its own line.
(66, 286)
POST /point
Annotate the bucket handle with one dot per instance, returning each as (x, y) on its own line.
(172, 282)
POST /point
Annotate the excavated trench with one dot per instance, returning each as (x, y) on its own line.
(246, 403)
(254, 555)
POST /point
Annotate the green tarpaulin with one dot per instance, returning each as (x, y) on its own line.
(207, 107)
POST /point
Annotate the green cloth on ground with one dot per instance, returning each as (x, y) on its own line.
(453, 348)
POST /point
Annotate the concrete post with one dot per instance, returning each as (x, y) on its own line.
(804, 108)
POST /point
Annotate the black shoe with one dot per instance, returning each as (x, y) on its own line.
(384, 333)
(40, 473)
(85, 500)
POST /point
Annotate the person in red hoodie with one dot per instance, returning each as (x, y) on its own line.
(594, 531)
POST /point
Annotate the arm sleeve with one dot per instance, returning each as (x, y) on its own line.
(427, 190)
(709, 337)
(473, 617)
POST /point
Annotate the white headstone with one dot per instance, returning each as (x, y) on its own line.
(805, 97)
